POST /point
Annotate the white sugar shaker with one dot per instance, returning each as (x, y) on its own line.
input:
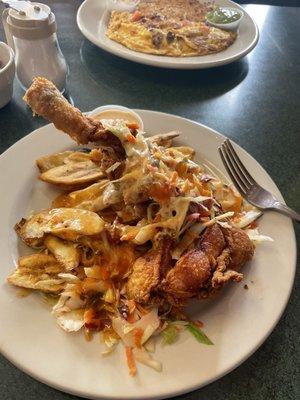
(32, 34)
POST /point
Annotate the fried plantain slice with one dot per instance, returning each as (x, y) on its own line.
(73, 174)
(51, 161)
(65, 252)
(38, 271)
(66, 223)
(87, 198)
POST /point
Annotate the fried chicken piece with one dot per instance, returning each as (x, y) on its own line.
(47, 101)
(217, 258)
(241, 247)
(222, 274)
(191, 271)
(149, 269)
(239, 250)
(212, 242)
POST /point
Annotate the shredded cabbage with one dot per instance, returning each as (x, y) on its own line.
(170, 334)
(194, 232)
(70, 278)
(143, 357)
(71, 321)
(255, 236)
(247, 218)
(172, 217)
(150, 345)
(148, 323)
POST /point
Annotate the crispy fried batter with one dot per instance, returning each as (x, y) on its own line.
(145, 276)
(241, 247)
(148, 270)
(222, 274)
(217, 258)
(240, 250)
(212, 242)
(191, 271)
(47, 101)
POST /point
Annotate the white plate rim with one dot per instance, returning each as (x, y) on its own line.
(157, 62)
(195, 386)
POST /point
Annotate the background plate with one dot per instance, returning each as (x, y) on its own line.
(91, 12)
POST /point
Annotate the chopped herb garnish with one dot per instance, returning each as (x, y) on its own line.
(198, 334)
(169, 334)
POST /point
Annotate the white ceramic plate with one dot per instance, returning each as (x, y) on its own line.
(90, 13)
(237, 322)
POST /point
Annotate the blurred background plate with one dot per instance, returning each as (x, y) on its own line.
(92, 20)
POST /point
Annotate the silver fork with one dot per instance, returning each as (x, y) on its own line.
(247, 186)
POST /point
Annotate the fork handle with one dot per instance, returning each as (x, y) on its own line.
(283, 209)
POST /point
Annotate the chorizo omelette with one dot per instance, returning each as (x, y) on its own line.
(169, 27)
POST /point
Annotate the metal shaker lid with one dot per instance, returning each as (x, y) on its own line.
(35, 21)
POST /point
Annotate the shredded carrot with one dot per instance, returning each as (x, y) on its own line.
(131, 318)
(91, 321)
(141, 309)
(138, 334)
(181, 169)
(130, 361)
(131, 138)
(161, 191)
(131, 306)
(174, 178)
(89, 315)
(198, 323)
(236, 207)
(105, 274)
(151, 168)
(157, 218)
(132, 125)
(204, 189)
(253, 225)
(136, 16)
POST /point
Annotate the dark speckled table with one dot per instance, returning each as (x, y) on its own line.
(254, 101)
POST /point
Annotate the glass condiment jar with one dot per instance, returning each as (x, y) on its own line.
(31, 32)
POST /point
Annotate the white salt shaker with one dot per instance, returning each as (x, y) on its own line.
(31, 32)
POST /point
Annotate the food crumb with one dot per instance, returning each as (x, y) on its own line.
(246, 287)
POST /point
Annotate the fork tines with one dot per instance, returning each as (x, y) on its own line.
(235, 168)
